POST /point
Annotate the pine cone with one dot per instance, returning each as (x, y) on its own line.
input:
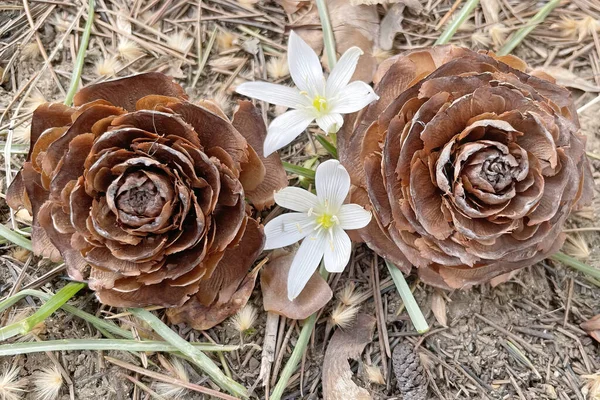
(409, 372)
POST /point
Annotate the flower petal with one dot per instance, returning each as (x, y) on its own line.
(296, 199)
(333, 183)
(305, 67)
(330, 123)
(284, 129)
(343, 71)
(305, 263)
(354, 97)
(353, 216)
(337, 249)
(287, 229)
(273, 93)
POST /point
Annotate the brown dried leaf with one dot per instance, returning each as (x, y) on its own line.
(391, 24)
(592, 327)
(566, 78)
(291, 6)
(438, 307)
(273, 282)
(352, 26)
(345, 344)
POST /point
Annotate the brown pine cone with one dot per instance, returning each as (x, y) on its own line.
(409, 372)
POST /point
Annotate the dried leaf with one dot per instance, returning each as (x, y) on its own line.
(566, 78)
(391, 24)
(352, 26)
(438, 307)
(346, 344)
(291, 6)
(273, 282)
(592, 327)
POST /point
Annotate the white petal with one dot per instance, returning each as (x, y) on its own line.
(287, 229)
(354, 97)
(305, 263)
(296, 199)
(284, 129)
(343, 71)
(330, 123)
(337, 250)
(353, 216)
(274, 94)
(333, 184)
(305, 67)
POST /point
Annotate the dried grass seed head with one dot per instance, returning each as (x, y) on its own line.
(591, 390)
(576, 245)
(343, 316)
(248, 3)
(22, 134)
(19, 253)
(374, 375)
(225, 40)
(498, 33)
(107, 67)
(480, 39)
(129, 50)
(35, 100)
(348, 295)
(30, 51)
(244, 320)
(180, 41)
(177, 370)
(11, 387)
(277, 67)
(47, 383)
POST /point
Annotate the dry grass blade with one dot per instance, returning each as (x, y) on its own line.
(168, 379)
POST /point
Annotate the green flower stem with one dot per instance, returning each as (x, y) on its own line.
(298, 170)
(414, 312)
(463, 15)
(99, 323)
(78, 68)
(103, 344)
(328, 38)
(298, 352)
(54, 303)
(327, 145)
(531, 25)
(197, 357)
(15, 238)
(578, 265)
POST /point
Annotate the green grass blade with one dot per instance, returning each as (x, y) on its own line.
(78, 67)
(15, 238)
(412, 308)
(578, 265)
(327, 145)
(103, 344)
(53, 304)
(99, 323)
(463, 15)
(298, 170)
(526, 30)
(197, 357)
(328, 38)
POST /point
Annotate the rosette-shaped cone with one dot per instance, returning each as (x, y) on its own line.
(470, 164)
(144, 193)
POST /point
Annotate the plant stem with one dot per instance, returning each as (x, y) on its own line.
(576, 264)
(463, 15)
(523, 32)
(298, 352)
(99, 323)
(54, 303)
(15, 238)
(414, 312)
(102, 344)
(78, 67)
(298, 170)
(327, 145)
(328, 38)
(197, 357)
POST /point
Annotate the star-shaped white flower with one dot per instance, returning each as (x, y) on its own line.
(320, 220)
(315, 98)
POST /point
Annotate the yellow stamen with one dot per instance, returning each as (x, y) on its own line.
(326, 220)
(320, 104)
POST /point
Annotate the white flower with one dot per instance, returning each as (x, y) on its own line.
(320, 220)
(314, 98)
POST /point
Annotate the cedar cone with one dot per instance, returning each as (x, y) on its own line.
(409, 372)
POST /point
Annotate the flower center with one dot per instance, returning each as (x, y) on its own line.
(326, 220)
(320, 104)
